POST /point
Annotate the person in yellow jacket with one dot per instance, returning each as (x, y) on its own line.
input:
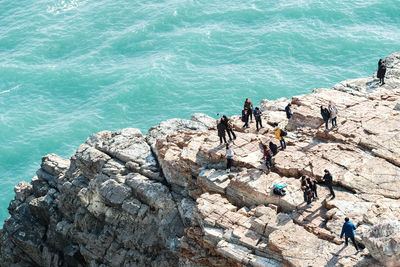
(279, 136)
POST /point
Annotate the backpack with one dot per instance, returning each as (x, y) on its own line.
(229, 124)
(283, 133)
(279, 191)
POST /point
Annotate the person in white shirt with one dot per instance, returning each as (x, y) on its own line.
(229, 157)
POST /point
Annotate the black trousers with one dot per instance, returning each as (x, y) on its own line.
(258, 122)
(326, 124)
(382, 80)
(334, 122)
(331, 190)
(315, 191)
(229, 163)
(283, 143)
(268, 163)
(229, 134)
(222, 137)
(352, 240)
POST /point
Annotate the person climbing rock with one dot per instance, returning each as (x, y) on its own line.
(229, 157)
(245, 118)
(329, 182)
(273, 147)
(381, 71)
(249, 106)
(229, 127)
(333, 112)
(257, 117)
(268, 157)
(325, 115)
(288, 111)
(279, 134)
(221, 131)
(348, 231)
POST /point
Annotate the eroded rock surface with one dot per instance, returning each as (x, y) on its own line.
(165, 199)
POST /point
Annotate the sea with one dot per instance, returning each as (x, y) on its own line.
(71, 68)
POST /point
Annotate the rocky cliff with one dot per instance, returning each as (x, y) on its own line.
(164, 199)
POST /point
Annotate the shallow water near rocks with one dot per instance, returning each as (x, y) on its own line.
(71, 68)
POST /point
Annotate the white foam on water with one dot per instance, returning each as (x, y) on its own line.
(9, 90)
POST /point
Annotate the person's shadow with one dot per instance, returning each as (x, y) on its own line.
(335, 258)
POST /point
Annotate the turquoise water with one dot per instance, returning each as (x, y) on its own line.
(71, 68)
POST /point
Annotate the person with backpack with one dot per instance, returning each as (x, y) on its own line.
(381, 71)
(268, 157)
(273, 147)
(279, 134)
(245, 118)
(221, 131)
(329, 182)
(257, 117)
(348, 231)
(229, 127)
(288, 111)
(249, 106)
(333, 112)
(229, 157)
(325, 115)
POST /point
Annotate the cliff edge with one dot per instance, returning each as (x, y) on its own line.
(164, 199)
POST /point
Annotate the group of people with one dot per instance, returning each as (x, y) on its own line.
(248, 112)
(329, 114)
(308, 184)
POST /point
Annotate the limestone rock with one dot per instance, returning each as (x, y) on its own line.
(208, 121)
(383, 242)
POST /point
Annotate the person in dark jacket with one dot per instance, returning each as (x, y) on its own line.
(245, 118)
(381, 71)
(268, 157)
(329, 182)
(229, 127)
(325, 115)
(221, 131)
(257, 117)
(249, 106)
(289, 113)
(348, 231)
(273, 147)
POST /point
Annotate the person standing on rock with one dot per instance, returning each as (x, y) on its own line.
(303, 186)
(229, 157)
(329, 182)
(313, 186)
(245, 118)
(381, 71)
(268, 157)
(221, 132)
(348, 231)
(325, 115)
(249, 106)
(229, 127)
(333, 112)
(288, 111)
(279, 134)
(257, 117)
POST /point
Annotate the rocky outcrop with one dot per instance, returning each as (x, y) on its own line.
(165, 199)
